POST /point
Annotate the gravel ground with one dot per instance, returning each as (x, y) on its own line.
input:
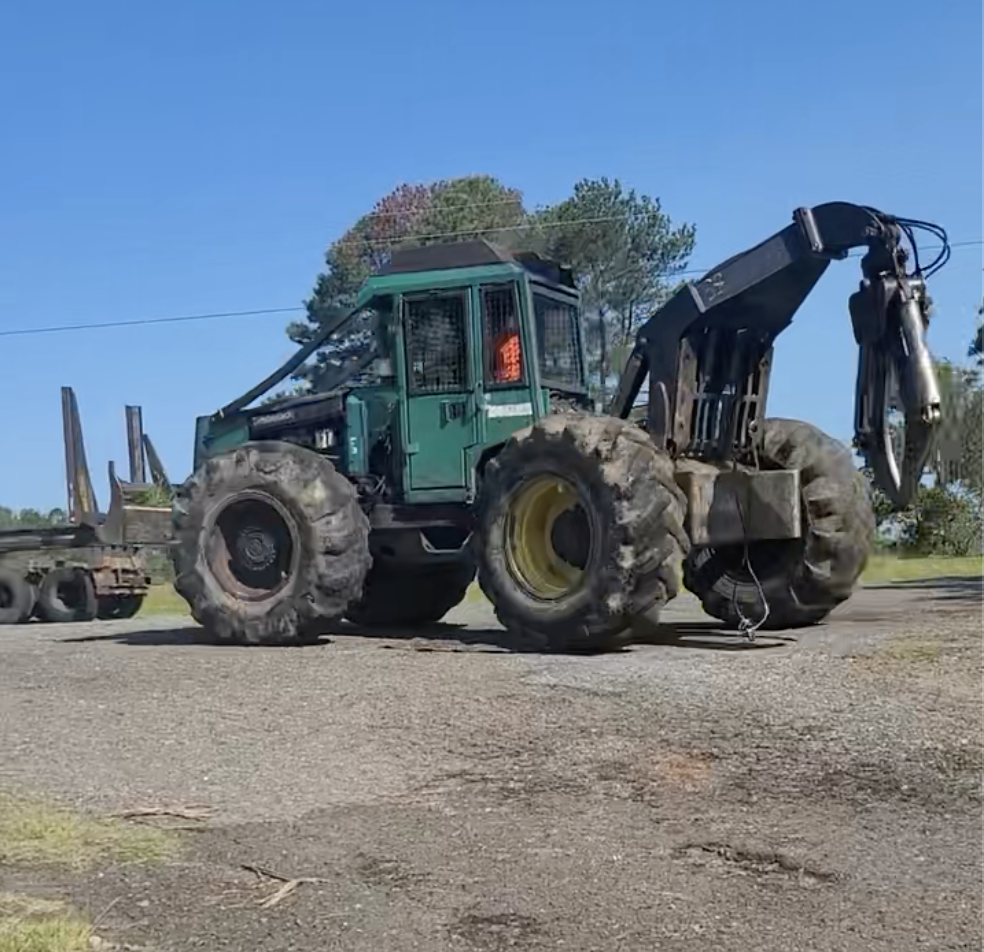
(449, 793)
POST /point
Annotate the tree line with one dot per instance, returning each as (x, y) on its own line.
(31, 518)
(624, 248)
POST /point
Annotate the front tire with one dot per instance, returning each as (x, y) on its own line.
(270, 544)
(804, 579)
(580, 529)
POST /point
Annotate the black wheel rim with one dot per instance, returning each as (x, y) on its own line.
(251, 549)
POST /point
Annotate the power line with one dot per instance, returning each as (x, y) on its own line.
(145, 321)
(260, 312)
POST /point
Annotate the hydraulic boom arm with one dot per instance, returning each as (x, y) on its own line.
(707, 352)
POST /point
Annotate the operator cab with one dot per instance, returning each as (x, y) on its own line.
(449, 350)
(477, 342)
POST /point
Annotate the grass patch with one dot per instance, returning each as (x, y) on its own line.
(41, 925)
(892, 568)
(912, 649)
(163, 600)
(38, 833)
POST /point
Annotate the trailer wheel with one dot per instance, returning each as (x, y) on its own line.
(17, 598)
(400, 595)
(270, 544)
(67, 595)
(580, 529)
(118, 607)
(804, 579)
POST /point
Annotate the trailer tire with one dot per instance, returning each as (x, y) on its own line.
(582, 584)
(67, 595)
(17, 598)
(270, 544)
(408, 596)
(804, 579)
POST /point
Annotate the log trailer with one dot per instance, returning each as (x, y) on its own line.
(93, 566)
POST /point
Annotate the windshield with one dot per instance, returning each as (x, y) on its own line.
(358, 345)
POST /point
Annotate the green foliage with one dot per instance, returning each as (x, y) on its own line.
(151, 496)
(621, 244)
(942, 521)
(31, 518)
(160, 568)
(945, 518)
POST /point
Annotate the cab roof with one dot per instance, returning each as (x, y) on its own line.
(421, 265)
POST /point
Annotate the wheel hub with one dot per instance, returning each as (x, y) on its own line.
(251, 547)
(548, 538)
(256, 548)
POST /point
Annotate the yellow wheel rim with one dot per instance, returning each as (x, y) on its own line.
(530, 552)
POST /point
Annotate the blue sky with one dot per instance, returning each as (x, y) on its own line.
(190, 157)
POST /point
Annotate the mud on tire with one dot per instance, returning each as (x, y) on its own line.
(270, 544)
(632, 517)
(803, 579)
(401, 595)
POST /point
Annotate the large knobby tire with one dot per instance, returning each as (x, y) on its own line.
(270, 544)
(804, 579)
(67, 595)
(580, 531)
(408, 596)
(17, 598)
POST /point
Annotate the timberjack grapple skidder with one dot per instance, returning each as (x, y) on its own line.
(454, 437)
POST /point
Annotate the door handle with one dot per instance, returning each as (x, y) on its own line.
(453, 410)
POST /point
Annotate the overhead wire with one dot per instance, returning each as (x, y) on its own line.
(297, 309)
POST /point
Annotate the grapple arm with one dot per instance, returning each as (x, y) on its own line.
(707, 351)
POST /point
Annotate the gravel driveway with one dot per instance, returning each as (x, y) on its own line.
(448, 793)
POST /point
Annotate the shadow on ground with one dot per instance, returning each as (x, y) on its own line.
(446, 636)
(948, 588)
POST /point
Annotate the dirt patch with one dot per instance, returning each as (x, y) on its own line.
(644, 778)
(496, 931)
(761, 863)
(388, 873)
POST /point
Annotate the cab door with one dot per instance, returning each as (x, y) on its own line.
(440, 417)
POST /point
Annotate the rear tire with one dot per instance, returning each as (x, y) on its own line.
(580, 530)
(67, 595)
(270, 544)
(407, 596)
(803, 579)
(17, 598)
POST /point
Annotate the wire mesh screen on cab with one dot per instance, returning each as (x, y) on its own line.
(503, 346)
(556, 332)
(434, 327)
